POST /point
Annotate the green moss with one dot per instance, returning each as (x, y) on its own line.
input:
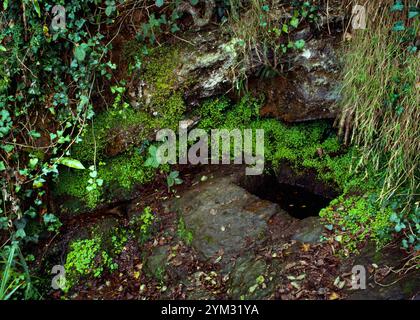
(134, 125)
(86, 259)
(120, 173)
(164, 110)
(158, 70)
(183, 233)
(119, 238)
(143, 225)
(127, 121)
(357, 218)
(212, 113)
(305, 146)
(313, 146)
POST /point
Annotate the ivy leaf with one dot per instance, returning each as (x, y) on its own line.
(399, 26)
(38, 183)
(399, 227)
(33, 162)
(109, 10)
(2, 48)
(20, 233)
(7, 147)
(80, 53)
(159, 3)
(294, 22)
(174, 174)
(152, 160)
(413, 12)
(49, 218)
(394, 217)
(2, 166)
(412, 49)
(398, 6)
(174, 28)
(329, 227)
(194, 2)
(72, 163)
(300, 44)
(34, 134)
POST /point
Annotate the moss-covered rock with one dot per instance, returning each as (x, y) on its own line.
(200, 67)
(88, 256)
(306, 146)
(111, 139)
(119, 174)
(155, 264)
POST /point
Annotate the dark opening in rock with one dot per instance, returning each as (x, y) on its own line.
(297, 200)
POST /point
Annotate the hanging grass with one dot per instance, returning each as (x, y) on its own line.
(381, 112)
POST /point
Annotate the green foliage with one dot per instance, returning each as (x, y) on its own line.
(317, 147)
(212, 113)
(71, 163)
(379, 105)
(158, 23)
(119, 239)
(407, 225)
(135, 125)
(152, 159)
(86, 258)
(118, 173)
(304, 146)
(262, 31)
(7, 287)
(183, 233)
(357, 218)
(94, 182)
(52, 222)
(144, 224)
(46, 81)
(173, 179)
(15, 280)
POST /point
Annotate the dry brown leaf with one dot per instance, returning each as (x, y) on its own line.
(305, 247)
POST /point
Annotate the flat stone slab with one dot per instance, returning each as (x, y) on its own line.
(224, 218)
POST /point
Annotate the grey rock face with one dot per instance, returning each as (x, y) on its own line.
(309, 89)
(246, 279)
(393, 286)
(309, 230)
(203, 68)
(156, 263)
(223, 218)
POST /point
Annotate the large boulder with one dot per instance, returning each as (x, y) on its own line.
(309, 89)
(200, 67)
(224, 218)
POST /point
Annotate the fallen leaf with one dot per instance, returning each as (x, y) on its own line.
(295, 285)
(305, 247)
(334, 296)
